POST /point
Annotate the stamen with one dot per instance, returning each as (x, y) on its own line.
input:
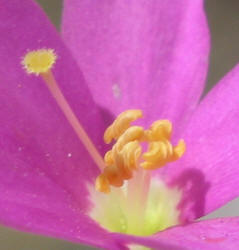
(120, 161)
(126, 154)
(179, 150)
(159, 130)
(121, 123)
(160, 150)
(131, 134)
(102, 184)
(40, 62)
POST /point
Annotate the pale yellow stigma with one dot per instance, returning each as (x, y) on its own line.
(39, 61)
(126, 155)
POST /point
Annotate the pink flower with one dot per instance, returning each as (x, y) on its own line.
(151, 55)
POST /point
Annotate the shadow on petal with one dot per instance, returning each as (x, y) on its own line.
(194, 187)
(107, 116)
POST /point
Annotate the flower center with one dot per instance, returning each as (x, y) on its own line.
(135, 202)
(126, 210)
(126, 198)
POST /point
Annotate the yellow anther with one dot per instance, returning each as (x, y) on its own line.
(121, 123)
(123, 169)
(131, 153)
(121, 160)
(156, 150)
(159, 130)
(162, 152)
(179, 150)
(113, 175)
(109, 158)
(127, 159)
(131, 134)
(158, 154)
(39, 61)
(126, 155)
(102, 184)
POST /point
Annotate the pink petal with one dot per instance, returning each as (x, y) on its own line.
(208, 172)
(31, 201)
(44, 167)
(216, 234)
(150, 54)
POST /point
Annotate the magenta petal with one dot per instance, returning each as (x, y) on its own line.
(208, 172)
(216, 234)
(30, 201)
(44, 167)
(33, 128)
(140, 54)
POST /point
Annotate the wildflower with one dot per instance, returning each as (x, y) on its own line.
(47, 174)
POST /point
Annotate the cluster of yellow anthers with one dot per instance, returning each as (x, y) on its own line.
(126, 155)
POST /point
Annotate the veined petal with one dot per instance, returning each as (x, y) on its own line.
(216, 234)
(44, 167)
(151, 55)
(208, 172)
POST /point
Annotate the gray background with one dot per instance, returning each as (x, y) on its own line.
(223, 16)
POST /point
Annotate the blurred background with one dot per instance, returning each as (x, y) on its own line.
(223, 18)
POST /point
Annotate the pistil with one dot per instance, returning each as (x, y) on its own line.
(40, 63)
